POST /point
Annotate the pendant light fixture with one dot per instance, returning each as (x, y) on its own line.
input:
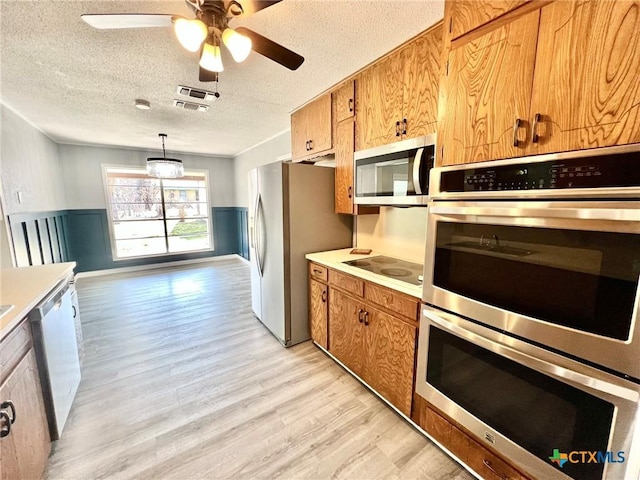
(164, 167)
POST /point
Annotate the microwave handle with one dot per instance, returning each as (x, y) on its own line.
(417, 163)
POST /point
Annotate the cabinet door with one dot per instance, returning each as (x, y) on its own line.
(344, 167)
(587, 86)
(318, 119)
(299, 134)
(25, 450)
(345, 101)
(421, 60)
(390, 346)
(379, 103)
(346, 333)
(318, 311)
(468, 15)
(488, 88)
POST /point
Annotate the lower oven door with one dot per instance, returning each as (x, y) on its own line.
(561, 274)
(553, 417)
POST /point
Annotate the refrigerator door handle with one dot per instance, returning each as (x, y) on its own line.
(252, 227)
(261, 246)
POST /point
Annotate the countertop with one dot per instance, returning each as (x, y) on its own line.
(334, 258)
(24, 287)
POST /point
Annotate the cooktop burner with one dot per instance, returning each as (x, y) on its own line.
(390, 267)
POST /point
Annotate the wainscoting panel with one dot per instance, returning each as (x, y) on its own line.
(39, 238)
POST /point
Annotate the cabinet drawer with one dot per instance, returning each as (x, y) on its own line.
(488, 465)
(318, 272)
(346, 282)
(394, 301)
(13, 348)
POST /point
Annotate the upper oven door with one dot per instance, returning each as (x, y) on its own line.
(562, 274)
(396, 174)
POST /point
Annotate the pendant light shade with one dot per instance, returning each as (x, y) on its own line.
(238, 44)
(163, 167)
(211, 58)
(190, 33)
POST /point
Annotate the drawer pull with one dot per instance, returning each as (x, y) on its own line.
(535, 138)
(516, 126)
(9, 404)
(324, 296)
(6, 428)
(487, 464)
(366, 319)
(317, 272)
(360, 312)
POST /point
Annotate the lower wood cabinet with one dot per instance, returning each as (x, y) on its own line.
(318, 312)
(26, 445)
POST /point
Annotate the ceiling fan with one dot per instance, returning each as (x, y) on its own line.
(207, 32)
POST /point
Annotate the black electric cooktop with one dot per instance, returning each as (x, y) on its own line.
(390, 267)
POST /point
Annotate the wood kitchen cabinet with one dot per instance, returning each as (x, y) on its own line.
(346, 331)
(25, 447)
(397, 96)
(467, 15)
(311, 129)
(345, 101)
(318, 312)
(536, 83)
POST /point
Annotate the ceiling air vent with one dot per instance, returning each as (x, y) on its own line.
(196, 93)
(199, 107)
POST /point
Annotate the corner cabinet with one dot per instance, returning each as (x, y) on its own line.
(311, 129)
(24, 443)
(534, 83)
(397, 97)
(371, 329)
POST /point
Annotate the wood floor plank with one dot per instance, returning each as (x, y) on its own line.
(181, 381)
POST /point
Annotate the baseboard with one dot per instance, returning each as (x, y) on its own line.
(243, 259)
(154, 266)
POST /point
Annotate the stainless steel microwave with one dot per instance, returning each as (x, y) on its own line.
(395, 174)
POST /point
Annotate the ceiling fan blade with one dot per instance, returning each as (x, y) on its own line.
(272, 50)
(105, 21)
(207, 75)
(252, 6)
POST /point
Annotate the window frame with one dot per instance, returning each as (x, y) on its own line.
(141, 168)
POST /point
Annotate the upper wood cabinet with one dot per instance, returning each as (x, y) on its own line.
(488, 86)
(345, 101)
(586, 89)
(397, 96)
(467, 15)
(538, 84)
(311, 129)
(344, 167)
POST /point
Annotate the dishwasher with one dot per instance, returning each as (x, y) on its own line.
(54, 337)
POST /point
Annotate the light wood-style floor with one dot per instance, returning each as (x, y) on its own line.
(181, 381)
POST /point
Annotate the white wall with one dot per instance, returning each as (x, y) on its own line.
(81, 166)
(397, 232)
(30, 164)
(261, 154)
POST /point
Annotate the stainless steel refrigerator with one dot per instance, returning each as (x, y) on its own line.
(291, 213)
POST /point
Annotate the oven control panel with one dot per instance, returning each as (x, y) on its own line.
(614, 170)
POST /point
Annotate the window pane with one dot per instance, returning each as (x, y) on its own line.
(175, 195)
(140, 247)
(135, 211)
(187, 210)
(177, 228)
(134, 194)
(140, 229)
(185, 244)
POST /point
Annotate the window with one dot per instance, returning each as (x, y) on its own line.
(152, 216)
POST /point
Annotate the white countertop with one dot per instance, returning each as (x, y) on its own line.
(334, 258)
(24, 287)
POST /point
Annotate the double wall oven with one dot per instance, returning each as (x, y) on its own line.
(530, 334)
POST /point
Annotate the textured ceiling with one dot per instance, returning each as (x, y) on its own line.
(78, 84)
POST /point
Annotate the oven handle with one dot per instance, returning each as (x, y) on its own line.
(538, 364)
(417, 166)
(616, 212)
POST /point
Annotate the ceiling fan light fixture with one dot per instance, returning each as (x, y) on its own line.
(211, 59)
(239, 45)
(190, 33)
(163, 167)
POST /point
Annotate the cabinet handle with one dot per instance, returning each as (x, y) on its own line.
(6, 428)
(404, 126)
(324, 296)
(360, 312)
(516, 126)
(307, 145)
(366, 319)
(487, 464)
(349, 190)
(310, 144)
(397, 129)
(317, 272)
(75, 312)
(351, 104)
(9, 404)
(535, 138)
